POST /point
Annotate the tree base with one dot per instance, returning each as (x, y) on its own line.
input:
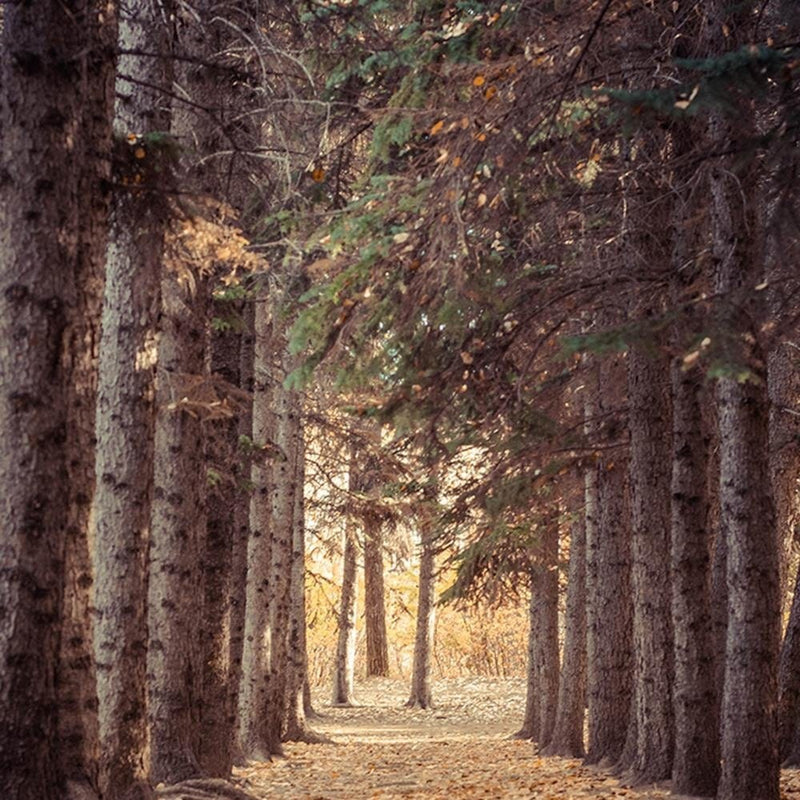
(308, 736)
(415, 702)
(204, 789)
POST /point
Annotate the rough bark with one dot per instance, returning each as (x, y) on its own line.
(125, 426)
(344, 672)
(421, 693)
(608, 594)
(217, 717)
(545, 590)
(80, 747)
(532, 716)
(541, 698)
(178, 533)
(257, 639)
(298, 699)
(344, 675)
(783, 371)
(374, 600)
(695, 768)
(696, 692)
(296, 728)
(284, 486)
(782, 377)
(649, 477)
(567, 739)
(47, 57)
(749, 751)
(239, 580)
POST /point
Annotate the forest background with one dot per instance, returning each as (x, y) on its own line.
(505, 292)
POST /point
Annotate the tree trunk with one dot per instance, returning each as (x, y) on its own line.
(374, 600)
(749, 752)
(531, 721)
(217, 718)
(80, 747)
(649, 477)
(696, 692)
(567, 739)
(239, 578)
(344, 674)
(695, 768)
(178, 535)
(257, 636)
(297, 729)
(284, 486)
(421, 695)
(48, 55)
(125, 426)
(546, 592)
(783, 369)
(608, 593)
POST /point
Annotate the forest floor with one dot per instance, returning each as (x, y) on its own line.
(461, 749)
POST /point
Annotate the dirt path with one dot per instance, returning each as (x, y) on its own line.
(458, 750)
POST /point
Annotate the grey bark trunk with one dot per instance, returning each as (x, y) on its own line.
(542, 689)
(77, 683)
(547, 656)
(421, 692)
(217, 717)
(296, 725)
(532, 716)
(239, 580)
(783, 367)
(257, 635)
(344, 675)
(696, 692)
(178, 533)
(567, 739)
(608, 594)
(125, 427)
(749, 751)
(284, 486)
(47, 58)
(344, 672)
(649, 477)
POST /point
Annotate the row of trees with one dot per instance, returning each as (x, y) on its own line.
(153, 619)
(588, 284)
(544, 257)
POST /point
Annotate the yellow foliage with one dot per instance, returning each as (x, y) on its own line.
(208, 243)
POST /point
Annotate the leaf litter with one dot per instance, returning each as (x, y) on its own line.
(462, 749)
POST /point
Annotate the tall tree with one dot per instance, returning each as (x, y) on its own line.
(54, 58)
(125, 413)
(567, 739)
(178, 533)
(217, 719)
(696, 692)
(375, 598)
(282, 508)
(344, 670)
(257, 638)
(650, 428)
(608, 603)
(421, 693)
(77, 682)
(374, 592)
(749, 749)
